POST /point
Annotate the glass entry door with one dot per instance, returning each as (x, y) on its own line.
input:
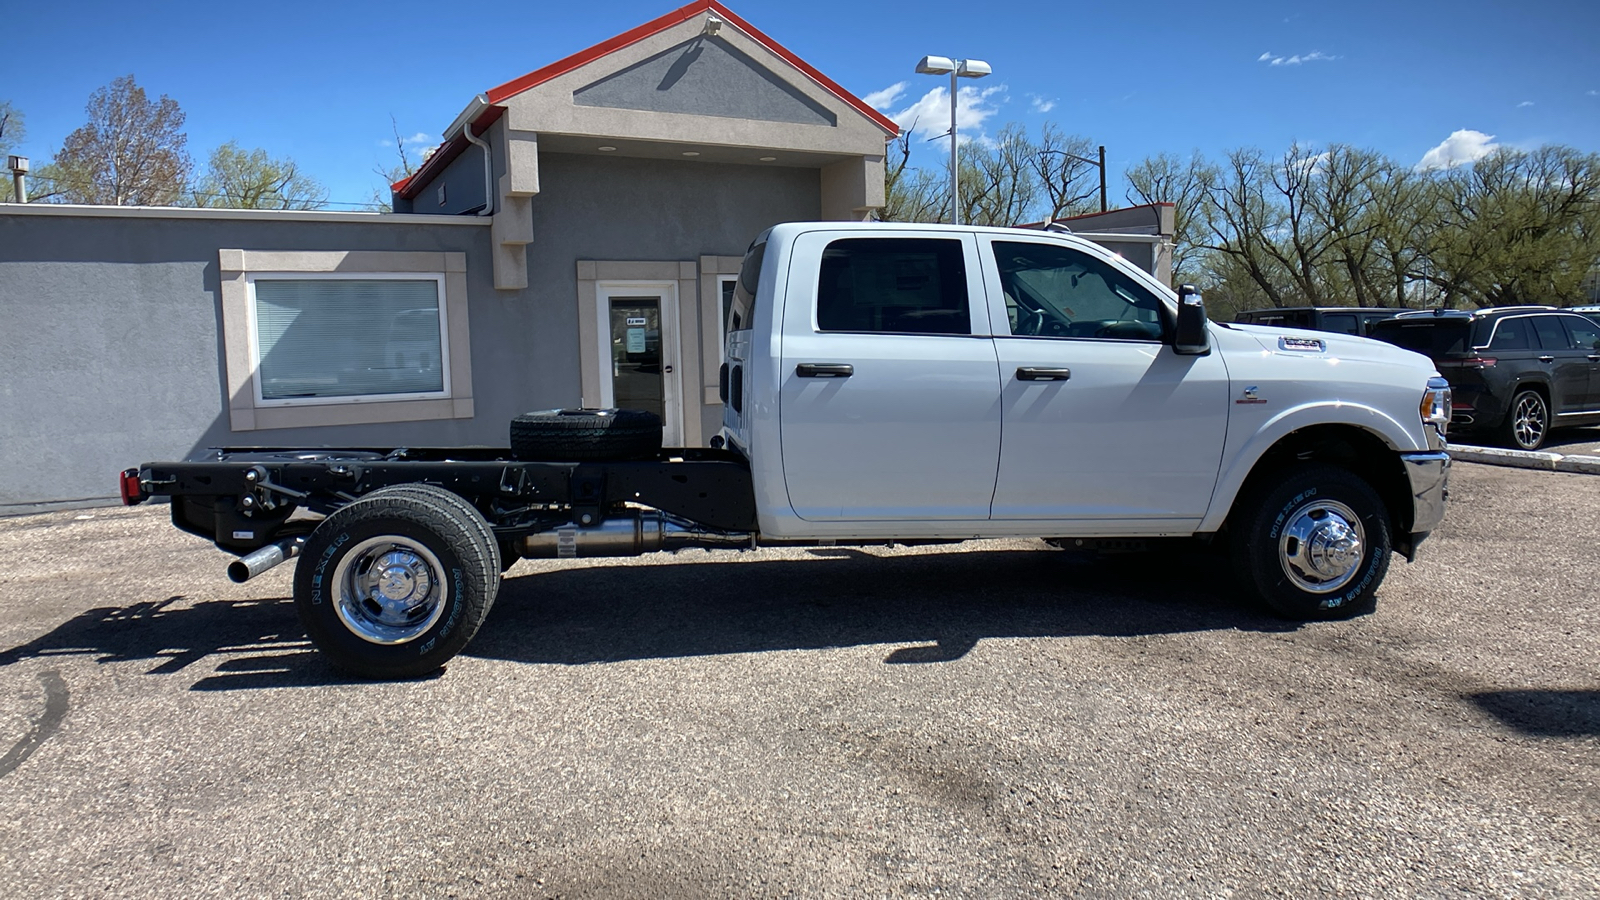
(636, 376)
(639, 356)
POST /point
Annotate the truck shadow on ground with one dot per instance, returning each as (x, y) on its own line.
(940, 604)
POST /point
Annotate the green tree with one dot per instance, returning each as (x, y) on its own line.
(239, 179)
(1516, 227)
(132, 151)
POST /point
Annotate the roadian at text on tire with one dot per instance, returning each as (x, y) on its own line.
(1516, 372)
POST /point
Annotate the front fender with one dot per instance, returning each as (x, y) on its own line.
(1241, 458)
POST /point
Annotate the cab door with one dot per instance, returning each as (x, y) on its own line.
(1101, 420)
(888, 386)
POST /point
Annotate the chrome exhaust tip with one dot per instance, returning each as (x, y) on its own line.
(252, 564)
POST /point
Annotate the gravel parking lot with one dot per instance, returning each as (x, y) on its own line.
(987, 719)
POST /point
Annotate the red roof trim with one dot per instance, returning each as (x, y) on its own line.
(409, 188)
(656, 26)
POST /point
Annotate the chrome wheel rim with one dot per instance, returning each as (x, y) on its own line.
(391, 590)
(1321, 546)
(1528, 421)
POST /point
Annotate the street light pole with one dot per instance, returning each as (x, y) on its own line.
(957, 68)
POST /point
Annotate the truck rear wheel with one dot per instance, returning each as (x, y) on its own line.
(586, 435)
(395, 584)
(1314, 543)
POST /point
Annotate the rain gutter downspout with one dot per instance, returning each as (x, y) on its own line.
(464, 123)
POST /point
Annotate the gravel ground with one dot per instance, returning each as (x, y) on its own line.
(987, 719)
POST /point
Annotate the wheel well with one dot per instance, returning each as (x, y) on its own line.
(1349, 447)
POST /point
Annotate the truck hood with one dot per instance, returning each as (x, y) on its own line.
(1302, 343)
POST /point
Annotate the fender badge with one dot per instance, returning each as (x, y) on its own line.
(1250, 396)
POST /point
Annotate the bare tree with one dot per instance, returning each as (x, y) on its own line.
(403, 168)
(132, 152)
(912, 194)
(241, 179)
(997, 183)
(1182, 183)
(1067, 181)
(1243, 224)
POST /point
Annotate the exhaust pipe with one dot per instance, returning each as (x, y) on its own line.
(252, 564)
(643, 531)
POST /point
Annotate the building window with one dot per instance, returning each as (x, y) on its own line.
(319, 338)
(337, 339)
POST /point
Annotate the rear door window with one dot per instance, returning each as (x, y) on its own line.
(1551, 335)
(742, 307)
(894, 285)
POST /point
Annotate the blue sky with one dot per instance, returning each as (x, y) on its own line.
(319, 81)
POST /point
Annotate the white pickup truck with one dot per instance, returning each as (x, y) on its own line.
(884, 382)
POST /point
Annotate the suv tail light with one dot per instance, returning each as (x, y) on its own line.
(1471, 362)
(132, 491)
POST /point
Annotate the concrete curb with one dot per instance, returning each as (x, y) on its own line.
(1526, 459)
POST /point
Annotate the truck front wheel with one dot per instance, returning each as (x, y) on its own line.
(1314, 543)
(395, 584)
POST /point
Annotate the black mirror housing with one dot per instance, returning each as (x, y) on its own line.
(1191, 337)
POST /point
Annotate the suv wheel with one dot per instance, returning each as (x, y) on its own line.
(1528, 422)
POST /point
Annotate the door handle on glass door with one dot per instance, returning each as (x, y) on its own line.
(1040, 373)
(824, 370)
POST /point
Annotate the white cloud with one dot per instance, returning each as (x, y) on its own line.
(1040, 104)
(885, 98)
(1594, 93)
(1313, 56)
(1464, 146)
(930, 115)
(1524, 104)
(418, 138)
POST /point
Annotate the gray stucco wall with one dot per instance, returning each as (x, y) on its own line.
(110, 328)
(707, 77)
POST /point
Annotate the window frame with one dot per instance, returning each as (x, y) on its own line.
(247, 411)
(254, 322)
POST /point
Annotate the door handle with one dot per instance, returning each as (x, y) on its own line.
(1594, 357)
(824, 370)
(1039, 373)
(1547, 359)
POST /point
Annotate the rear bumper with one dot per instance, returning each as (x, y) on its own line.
(1429, 475)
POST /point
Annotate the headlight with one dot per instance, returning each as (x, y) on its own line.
(1435, 406)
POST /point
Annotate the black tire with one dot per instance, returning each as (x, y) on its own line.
(1527, 421)
(585, 435)
(446, 497)
(415, 537)
(1287, 548)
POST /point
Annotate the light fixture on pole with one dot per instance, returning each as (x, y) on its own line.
(956, 68)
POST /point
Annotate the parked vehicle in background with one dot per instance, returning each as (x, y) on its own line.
(1515, 372)
(1592, 312)
(1337, 319)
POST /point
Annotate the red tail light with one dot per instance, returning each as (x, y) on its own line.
(132, 491)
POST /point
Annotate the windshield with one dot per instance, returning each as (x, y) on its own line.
(1431, 337)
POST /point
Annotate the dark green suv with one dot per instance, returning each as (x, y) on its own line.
(1515, 372)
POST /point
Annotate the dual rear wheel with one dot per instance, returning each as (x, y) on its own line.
(395, 584)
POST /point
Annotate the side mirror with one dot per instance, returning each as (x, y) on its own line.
(1191, 337)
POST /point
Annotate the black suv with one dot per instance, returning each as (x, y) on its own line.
(1514, 371)
(1337, 319)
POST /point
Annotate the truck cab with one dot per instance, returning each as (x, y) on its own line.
(912, 380)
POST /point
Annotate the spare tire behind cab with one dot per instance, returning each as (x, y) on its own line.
(585, 435)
